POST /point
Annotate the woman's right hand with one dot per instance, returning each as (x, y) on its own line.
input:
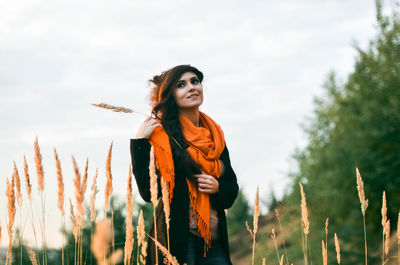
(147, 127)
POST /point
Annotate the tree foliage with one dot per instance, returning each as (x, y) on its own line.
(356, 124)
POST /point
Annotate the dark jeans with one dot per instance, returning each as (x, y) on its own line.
(214, 256)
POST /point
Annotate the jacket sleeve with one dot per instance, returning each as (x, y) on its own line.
(228, 187)
(140, 158)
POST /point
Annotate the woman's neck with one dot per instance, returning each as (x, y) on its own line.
(192, 114)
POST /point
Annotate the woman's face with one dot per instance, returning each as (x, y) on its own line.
(189, 91)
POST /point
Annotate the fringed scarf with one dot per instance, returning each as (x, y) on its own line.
(206, 144)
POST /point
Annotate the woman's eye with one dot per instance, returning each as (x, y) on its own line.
(180, 85)
(195, 81)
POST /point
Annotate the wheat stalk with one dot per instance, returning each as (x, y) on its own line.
(337, 247)
(109, 188)
(128, 220)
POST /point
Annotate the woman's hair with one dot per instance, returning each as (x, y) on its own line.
(164, 107)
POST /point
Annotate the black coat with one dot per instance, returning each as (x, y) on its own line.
(179, 208)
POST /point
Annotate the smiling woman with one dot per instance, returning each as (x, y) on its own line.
(191, 157)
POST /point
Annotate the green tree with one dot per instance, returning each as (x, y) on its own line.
(238, 214)
(356, 124)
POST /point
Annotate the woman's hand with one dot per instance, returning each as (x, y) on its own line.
(206, 183)
(147, 127)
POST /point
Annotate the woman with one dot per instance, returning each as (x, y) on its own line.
(192, 157)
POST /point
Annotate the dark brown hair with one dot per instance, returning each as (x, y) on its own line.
(164, 107)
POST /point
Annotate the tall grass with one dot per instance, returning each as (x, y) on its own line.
(102, 240)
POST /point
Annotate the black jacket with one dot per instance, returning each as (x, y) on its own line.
(179, 208)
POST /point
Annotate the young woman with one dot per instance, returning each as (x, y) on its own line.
(192, 158)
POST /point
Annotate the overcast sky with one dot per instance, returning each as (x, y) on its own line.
(263, 62)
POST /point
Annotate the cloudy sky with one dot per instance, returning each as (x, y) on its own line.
(263, 62)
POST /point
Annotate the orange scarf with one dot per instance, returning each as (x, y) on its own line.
(206, 144)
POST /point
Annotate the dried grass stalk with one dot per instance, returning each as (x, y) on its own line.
(79, 195)
(27, 180)
(128, 220)
(11, 214)
(10, 192)
(141, 237)
(60, 184)
(165, 198)
(17, 185)
(249, 230)
(364, 205)
(166, 206)
(304, 213)
(273, 236)
(326, 226)
(324, 254)
(256, 213)
(153, 178)
(32, 256)
(85, 177)
(398, 229)
(39, 166)
(384, 210)
(337, 247)
(93, 196)
(113, 108)
(361, 195)
(398, 239)
(383, 222)
(387, 237)
(109, 188)
(101, 240)
(168, 256)
(281, 261)
(74, 221)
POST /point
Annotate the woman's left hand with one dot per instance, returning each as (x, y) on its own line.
(206, 183)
